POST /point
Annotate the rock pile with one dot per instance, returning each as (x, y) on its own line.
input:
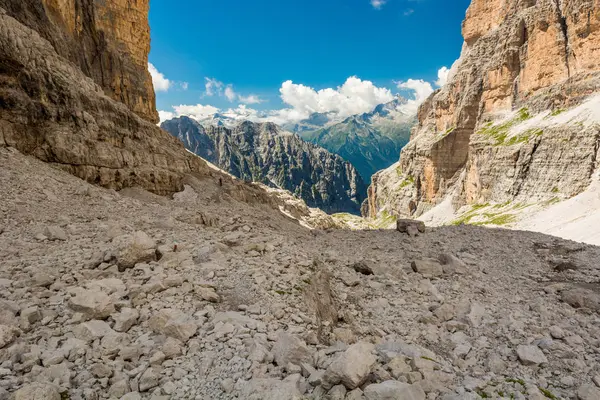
(122, 296)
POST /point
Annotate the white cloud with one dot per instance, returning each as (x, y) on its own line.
(185, 85)
(197, 111)
(377, 4)
(355, 96)
(252, 99)
(214, 87)
(422, 90)
(165, 115)
(161, 84)
(443, 74)
(230, 94)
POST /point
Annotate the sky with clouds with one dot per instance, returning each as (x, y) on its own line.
(282, 61)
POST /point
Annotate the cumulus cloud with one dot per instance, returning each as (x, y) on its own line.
(355, 96)
(377, 4)
(165, 115)
(421, 91)
(197, 111)
(443, 74)
(161, 84)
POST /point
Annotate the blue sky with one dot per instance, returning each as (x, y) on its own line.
(249, 48)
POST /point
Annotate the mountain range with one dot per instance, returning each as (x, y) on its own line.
(265, 153)
(370, 141)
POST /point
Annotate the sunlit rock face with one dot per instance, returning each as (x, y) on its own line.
(494, 132)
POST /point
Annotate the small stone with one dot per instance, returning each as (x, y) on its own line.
(8, 334)
(92, 330)
(588, 392)
(428, 268)
(31, 315)
(393, 390)
(362, 267)
(55, 233)
(556, 332)
(38, 391)
(173, 323)
(148, 380)
(125, 319)
(119, 388)
(337, 392)
(531, 355)
(227, 385)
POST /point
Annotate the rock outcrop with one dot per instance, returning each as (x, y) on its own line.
(108, 41)
(62, 65)
(516, 120)
(263, 152)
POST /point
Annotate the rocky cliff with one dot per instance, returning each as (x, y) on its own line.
(72, 74)
(263, 152)
(517, 121)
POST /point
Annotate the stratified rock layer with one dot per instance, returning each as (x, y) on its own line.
(52, 110)
(520, 59)
(108, 41)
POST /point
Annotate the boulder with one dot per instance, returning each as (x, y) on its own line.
(93, 304)
(55, 233)
(173, 323)
(133, 249)
(429, 268)
(394, 390)
(531, 355)
(291, 349)
(452, 265)
(582, 298)
(410, 226)
(8, 334)
(92, 330)
(352, 367)
(38, 391)
(588, 392)
(125, 319)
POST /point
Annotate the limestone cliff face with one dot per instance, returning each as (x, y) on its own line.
(56, 101)
(108, 40)
(493, 133)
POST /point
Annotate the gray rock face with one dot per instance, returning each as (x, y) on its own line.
(265, 153)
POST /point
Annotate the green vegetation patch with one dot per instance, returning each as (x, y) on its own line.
(548, 394)
(557, 112)
(409, 180)
(487, 218)
(499, 133)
